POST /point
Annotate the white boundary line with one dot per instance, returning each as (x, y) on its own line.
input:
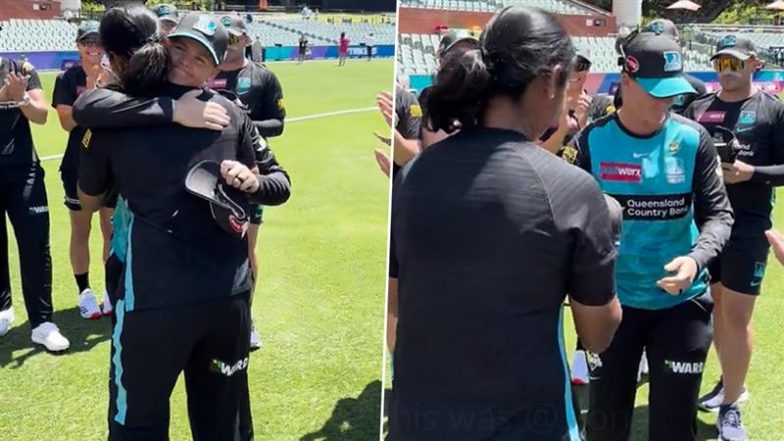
(288, 120)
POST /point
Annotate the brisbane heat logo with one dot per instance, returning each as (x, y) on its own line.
(621, 172)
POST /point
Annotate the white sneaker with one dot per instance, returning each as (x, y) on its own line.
(255, 338)
(107, 307)
(6, 318)
(580, 375)
(713, 401)
(48, 334)
(643, 369)
(88, 305)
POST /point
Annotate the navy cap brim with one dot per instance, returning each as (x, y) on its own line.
(666, 87)
(87, 34)
(742, 56)
(169, 18)
(200, 38)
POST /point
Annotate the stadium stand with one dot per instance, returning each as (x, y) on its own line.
(417, 54)
(287, 31)
(29, 35)
(563, 7)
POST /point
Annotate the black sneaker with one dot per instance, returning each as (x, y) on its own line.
(729, 424)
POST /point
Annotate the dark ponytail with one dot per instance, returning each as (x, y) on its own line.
(147, 70)
(516, 46)
(460, 91)
(131, 33)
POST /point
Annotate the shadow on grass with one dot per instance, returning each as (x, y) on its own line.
(353, 419)
(640, 419)
(84, 335)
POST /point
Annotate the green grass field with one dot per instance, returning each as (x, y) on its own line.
(319, 304)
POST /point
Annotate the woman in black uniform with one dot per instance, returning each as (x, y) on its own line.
(482, 268)
(178, 304)
(23, 198)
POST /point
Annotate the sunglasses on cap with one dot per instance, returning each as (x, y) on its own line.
(728, 63)
(581, 64)
(90, 42)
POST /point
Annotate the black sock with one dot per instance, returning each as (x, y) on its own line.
(82, 281)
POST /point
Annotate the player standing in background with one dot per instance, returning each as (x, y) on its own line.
(303, 48)
(258, 91)
(23, 199)
(370, 40)
(580, 107)
(167, 17)
(67, 87)
(343, 49)
(750, 123)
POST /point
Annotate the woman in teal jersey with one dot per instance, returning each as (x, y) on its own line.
(664, 171)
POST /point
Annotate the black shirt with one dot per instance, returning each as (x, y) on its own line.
(177, 253)
(489, 234)
(16, 139)
(758, 123)
(259, 89)
(408, 117)
(67, 87)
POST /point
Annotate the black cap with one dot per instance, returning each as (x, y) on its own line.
(87, 29)
(739, 47)
(656, 63)
(205, 29)
(166, 12)
(454, 36)
(235, 25)
(229, 206)
(664, 27)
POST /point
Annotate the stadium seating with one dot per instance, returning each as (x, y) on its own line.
(287, 31)
(555, 6)
(417, 54)
(762, 40)
(25, 35)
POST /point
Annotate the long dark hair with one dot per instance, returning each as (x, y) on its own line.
(131, 34)
(516, 46)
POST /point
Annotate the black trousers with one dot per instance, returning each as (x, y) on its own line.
(677, 341)
(23, 199)
(209, 341)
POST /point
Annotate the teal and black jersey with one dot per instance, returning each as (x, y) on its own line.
(674, 202)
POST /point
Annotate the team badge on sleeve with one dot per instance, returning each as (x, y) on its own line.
(569, 154)
(416, 111)
(88, 135)
(281, 105)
